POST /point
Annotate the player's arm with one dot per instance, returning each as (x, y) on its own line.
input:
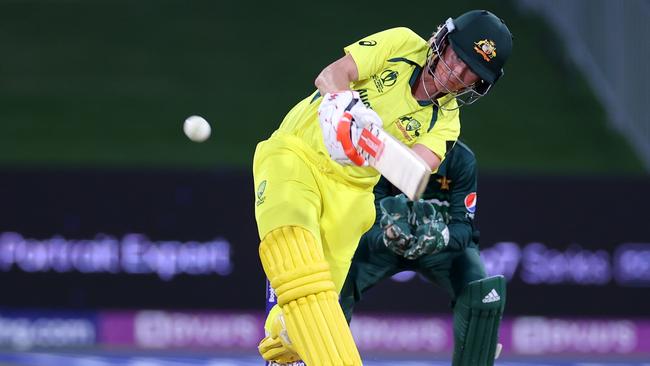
(337, 76)
(366, 57)
(337, 102)
(463, 201)
(433, 145)
(427, 155)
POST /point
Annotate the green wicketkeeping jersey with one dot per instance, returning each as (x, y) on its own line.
(452, 191)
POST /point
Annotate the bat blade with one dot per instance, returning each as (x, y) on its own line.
(395, 161)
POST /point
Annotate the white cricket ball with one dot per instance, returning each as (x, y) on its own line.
(196, 128)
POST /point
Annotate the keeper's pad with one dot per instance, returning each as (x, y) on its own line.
(477, 314)
(294, 263)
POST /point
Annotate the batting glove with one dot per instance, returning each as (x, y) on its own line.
(342, 117)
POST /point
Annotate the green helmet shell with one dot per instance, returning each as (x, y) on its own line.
(483, 42)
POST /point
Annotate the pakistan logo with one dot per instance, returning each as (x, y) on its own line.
(385, 79)
(260, 193)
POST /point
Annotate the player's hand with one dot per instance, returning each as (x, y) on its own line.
(358, 128)
(431, 232)
(342, 117)
(394, 223)
(363, 116)
(277, 346)
(330, 113)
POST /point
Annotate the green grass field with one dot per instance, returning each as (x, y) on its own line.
(109, 83)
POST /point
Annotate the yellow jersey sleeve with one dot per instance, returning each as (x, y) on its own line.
(371, 54)
(444, 132)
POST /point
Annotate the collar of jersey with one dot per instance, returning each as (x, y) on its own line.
(417, 69)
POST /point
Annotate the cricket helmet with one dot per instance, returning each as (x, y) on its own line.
(482, 41)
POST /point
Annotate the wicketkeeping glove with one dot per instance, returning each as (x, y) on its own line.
(394, 223)
(431, 232)
(342, 117)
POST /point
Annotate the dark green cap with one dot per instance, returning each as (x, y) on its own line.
(483, 42)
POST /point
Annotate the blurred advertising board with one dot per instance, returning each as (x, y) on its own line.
(379, 333)
(159, 239)
(373, 332)
(26, 329)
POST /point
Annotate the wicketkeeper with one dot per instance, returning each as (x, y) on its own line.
(437, 238)
(313, 203)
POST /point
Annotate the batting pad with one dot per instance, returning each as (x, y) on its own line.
(294, 263)
(477, 314)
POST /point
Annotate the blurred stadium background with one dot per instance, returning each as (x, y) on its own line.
(123, 243)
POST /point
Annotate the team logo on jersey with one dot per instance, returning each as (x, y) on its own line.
(385, 79)
(367, 43)
(260, 193)
(444, 183)
(414, 126)
(470, 202)
(486, 48)
(409, 126)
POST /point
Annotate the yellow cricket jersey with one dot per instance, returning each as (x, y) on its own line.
(389, 64)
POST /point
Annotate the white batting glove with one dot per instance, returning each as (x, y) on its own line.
(343, 116)
(330, 112)
(364, 116)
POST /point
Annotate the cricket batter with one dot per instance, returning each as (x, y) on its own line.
(313, 204)
(437, 238)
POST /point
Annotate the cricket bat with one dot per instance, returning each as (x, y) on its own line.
(405, 169)
(391, 158)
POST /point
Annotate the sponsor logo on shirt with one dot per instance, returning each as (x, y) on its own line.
(470, 204)
(369, 43)
(363, 94)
